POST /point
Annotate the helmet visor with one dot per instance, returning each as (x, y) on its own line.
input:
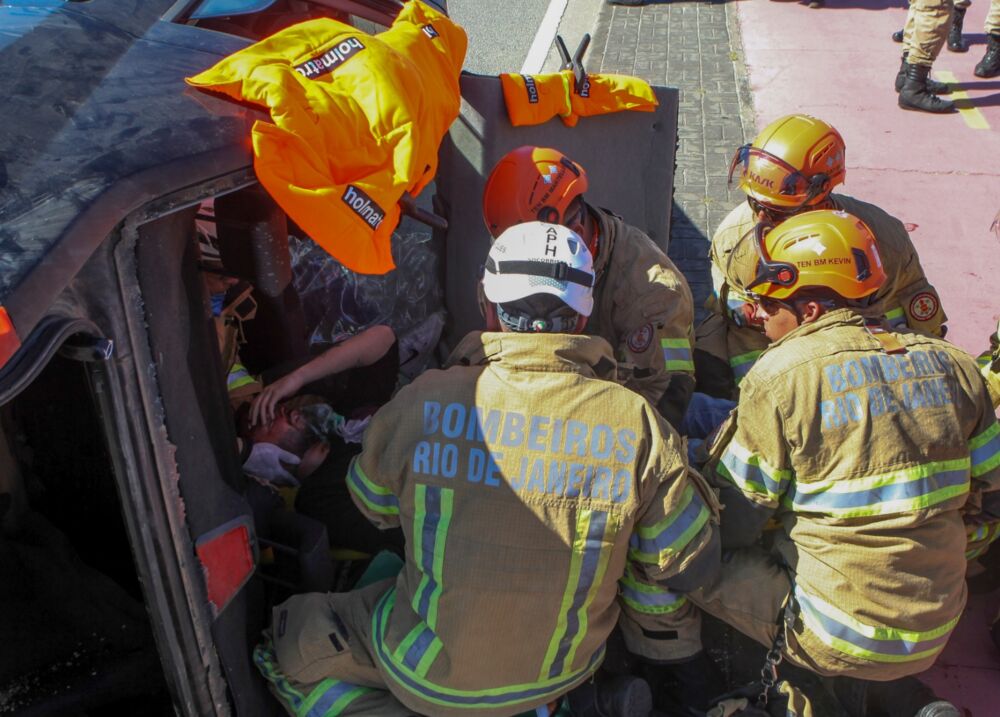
(770, 179)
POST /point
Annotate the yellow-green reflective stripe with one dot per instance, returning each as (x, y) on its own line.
(419, 516)
(976, 552)
(677, 354)
(748, 357)
(591, 551)
(982, 537)
(652, 531)
(904, 490)
(378, 499)
(239, 377)
(267, 664)
(894, 315)
(648, 599)
(433, 507)
(440, 539)
(539, 691)
(985, 450)
(653, 544)
(742, 363)
(841, 631)
(400, 652)
(610, 527)
(979, 533)
(980, 440)
(330, 698)
(576, 560)
(674, 366)
(752, 473)
(428, 659)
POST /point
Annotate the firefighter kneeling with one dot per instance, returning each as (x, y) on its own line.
(529, 485)
(866, 445)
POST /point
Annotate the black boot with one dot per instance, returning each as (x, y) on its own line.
(905, 697)
(897, 36)
(684, 688)
(915, 95)
(933, 86)
(956, 43)
(611, 696)
(989, 66)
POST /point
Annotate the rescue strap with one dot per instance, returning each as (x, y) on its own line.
(558, 270)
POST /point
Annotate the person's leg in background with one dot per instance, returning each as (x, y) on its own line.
(989, 66)
(925, 34)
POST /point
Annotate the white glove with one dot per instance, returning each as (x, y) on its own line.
(267, 463)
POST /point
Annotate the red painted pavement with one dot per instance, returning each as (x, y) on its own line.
(936, 173)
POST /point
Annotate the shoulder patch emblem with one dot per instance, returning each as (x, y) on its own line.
(924, 306)
(640, 339)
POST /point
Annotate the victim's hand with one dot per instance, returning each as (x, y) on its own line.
(313, 458)
(263, 408)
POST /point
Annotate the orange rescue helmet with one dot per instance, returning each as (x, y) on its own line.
(531, 184)
(794, 163)
(824, 248)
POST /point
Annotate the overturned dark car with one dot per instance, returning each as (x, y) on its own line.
(132, 576)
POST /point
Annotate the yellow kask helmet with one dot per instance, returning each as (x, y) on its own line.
(825, 248)
(795, 162)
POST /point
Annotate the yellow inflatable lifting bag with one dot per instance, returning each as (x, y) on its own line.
(357, 120)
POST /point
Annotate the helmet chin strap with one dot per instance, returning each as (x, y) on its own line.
(524, 324)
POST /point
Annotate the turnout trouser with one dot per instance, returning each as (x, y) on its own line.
(751, 593)
(992, 26)
(926, 30)
(320, 659)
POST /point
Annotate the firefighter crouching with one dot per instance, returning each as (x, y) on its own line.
(642, 303)
(528, 484)
(866, 446)
(792, 166)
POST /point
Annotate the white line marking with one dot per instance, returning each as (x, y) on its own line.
(544, 38)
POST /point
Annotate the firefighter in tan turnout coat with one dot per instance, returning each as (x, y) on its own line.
(527, 482)
(867, 446)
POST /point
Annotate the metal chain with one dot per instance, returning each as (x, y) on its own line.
(769, 672)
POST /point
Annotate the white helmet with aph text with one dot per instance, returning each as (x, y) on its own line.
(539, 258)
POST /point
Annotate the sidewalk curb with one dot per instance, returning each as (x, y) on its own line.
(748, 115)
(580, 17)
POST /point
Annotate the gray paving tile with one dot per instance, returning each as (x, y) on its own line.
(689, 45)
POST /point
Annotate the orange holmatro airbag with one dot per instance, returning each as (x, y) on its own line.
(357, 120)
